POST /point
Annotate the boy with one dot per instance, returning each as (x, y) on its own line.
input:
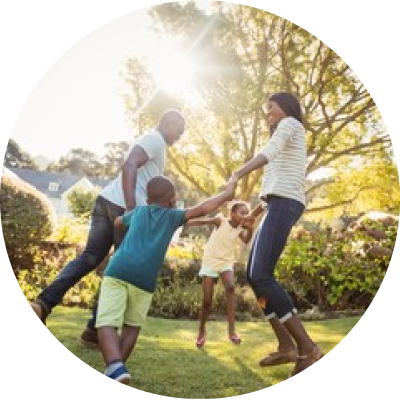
(131, 275)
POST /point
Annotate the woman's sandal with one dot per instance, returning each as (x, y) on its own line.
(235, 339)
(313, 355)
(279, 357)
(201, 340)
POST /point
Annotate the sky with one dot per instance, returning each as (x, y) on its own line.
(78, 101)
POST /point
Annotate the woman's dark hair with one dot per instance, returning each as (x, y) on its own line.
(289, 104)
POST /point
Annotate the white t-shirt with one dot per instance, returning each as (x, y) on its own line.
(154, 146)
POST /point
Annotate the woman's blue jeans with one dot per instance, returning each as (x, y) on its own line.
(102, 236)
(269, 242)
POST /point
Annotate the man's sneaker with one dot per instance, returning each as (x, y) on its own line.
(89, 338)
(40, 309)
(117, 371)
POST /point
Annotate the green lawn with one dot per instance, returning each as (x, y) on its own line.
(166, 361)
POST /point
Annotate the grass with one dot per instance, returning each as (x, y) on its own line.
(166, 361)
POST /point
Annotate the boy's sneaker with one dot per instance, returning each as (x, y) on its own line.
(89, 338)
(40, 309)
(117, 371)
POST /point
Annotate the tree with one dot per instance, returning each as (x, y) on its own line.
(81, 202)
(114, 158)
(351, 190)
(17, 158)
(78, 162)
(247, 55)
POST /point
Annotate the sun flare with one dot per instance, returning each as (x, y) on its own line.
(174, 71)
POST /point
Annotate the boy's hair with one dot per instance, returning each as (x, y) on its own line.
(160, 189)
(235, 204)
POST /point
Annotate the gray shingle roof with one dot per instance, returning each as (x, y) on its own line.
(41, 180)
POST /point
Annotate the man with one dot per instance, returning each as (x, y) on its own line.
(145, 160)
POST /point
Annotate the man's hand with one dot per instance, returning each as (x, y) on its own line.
(131, 206)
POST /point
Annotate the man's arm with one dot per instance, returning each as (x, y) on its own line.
(135, 160)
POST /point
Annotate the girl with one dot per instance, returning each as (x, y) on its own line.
(218, 260)
(283, 190)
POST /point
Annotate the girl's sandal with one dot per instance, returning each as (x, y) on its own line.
(313, 355)
(201, 340)
(235, 339)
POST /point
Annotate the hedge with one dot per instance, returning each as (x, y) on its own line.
(27, 219)
(323, 270)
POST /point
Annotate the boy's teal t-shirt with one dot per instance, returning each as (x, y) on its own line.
(141, 254)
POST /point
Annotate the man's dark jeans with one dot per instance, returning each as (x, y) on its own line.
(102, 236)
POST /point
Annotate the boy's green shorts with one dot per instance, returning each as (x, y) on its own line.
(121, 304)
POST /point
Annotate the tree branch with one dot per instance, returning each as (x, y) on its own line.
(343, 202)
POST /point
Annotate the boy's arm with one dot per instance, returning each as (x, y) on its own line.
(118, 222)
(211, 204)
(216, 221)
(124, 220)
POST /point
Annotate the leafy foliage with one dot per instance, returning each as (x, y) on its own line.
(15, 157)
(27, 219)
(340, 270)
(81, 202)
(244, 55)
(334, 271)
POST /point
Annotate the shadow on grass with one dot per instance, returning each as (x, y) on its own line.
(166, 361)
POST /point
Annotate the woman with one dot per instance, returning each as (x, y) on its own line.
(283, 189)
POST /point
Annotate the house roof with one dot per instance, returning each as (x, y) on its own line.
(42, 181)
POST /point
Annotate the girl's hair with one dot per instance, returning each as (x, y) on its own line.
(289, 104)
(235, 204)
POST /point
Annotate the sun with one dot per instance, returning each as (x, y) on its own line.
(174, 71)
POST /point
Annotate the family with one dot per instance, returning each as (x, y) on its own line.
(136, 213)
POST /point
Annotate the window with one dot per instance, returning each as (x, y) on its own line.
(54, 186)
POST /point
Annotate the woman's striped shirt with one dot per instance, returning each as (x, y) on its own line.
(285, 172)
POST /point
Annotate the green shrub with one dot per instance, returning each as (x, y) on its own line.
(27, 218)
(47, 265)
(179, 293)
(321, 270)
(81, 202)
(336, 270)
